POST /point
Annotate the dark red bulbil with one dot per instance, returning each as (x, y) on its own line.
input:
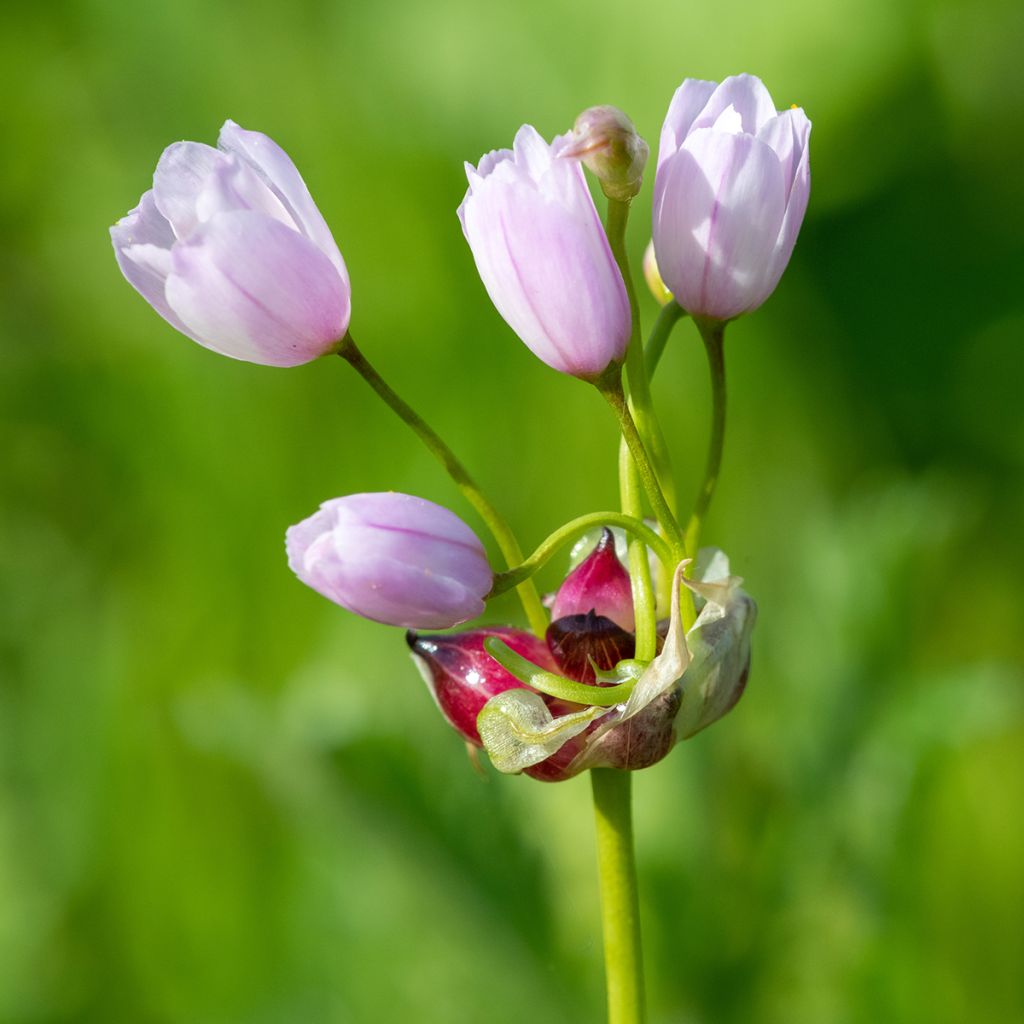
(581, 643)
(594, 602)
(463, 677)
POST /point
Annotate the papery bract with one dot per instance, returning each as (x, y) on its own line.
(392, 558)
(730, 192)
(230, 249)
(543, 256)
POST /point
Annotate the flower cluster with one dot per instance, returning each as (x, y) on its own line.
(230, 249)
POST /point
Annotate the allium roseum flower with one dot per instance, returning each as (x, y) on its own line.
(696, 678)
(543, 256)
(392, 558)
(230, 249)
(730, 193)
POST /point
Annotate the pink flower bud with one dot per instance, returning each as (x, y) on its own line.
(730, 193)
(392, 558)
(543, 257)
(230, 249)
(598, 584)
(605, 139)
(463, 677)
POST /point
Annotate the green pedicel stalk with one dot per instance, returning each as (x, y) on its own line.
(713, 334)
(671, 313)
(572, 531)
(500, 530)
(640, 402)
(611, 389)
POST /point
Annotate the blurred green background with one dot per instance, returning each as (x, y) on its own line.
(225, 801)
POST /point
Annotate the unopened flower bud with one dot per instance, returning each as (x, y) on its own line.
(392, 558)
(652, 275)
(606, 141)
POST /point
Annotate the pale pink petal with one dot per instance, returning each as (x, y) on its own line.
(142, 246)
(179, 178)
(276, 169)
(748, 95)
(715, 228)
(689, 100)
(248, 286)
(234, 185)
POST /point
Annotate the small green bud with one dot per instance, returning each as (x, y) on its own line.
(606, 141)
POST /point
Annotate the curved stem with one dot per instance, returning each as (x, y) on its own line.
(640, 402)
(572, 531)
(500, 530)
(713, 334)
(554, 685)
(644, 605)
(611, 388)
(620, 905)
(671, 313)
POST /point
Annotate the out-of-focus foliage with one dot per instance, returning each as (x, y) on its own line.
(223, 800)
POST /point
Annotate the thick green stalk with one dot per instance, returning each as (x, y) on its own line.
(620, 905)
(713, 334)
(573, 531)
(500, 530)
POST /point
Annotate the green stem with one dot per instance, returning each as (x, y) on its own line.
(620, 905)
(572, 531)
(611, 389)
(500, 530)
(553, 684)
(713, 334)
(671, 313)
(644, 603)
(640, 402)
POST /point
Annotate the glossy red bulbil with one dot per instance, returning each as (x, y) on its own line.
(462, 676)
(599, 584)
